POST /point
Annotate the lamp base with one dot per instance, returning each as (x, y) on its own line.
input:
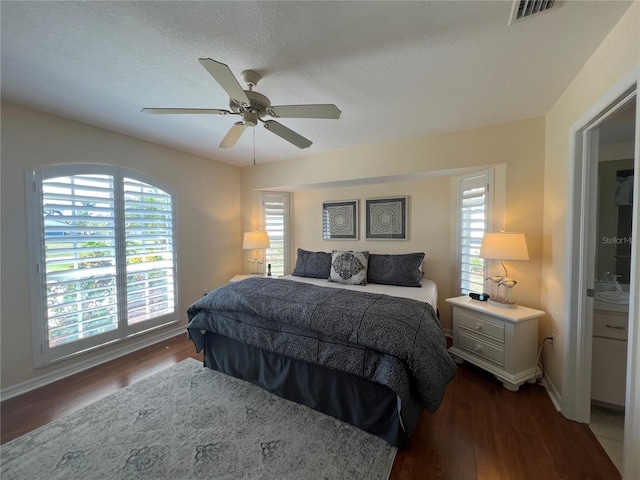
(501, 303)
(258, 262)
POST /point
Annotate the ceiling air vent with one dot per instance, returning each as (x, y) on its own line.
(523, 9)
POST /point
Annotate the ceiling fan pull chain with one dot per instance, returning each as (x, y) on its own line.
(254, 147)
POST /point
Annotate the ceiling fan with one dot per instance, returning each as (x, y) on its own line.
(252, 107)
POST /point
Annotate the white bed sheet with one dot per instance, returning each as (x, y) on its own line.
(428, 293)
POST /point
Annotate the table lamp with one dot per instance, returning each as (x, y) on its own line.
(255, 241)
(504, 246)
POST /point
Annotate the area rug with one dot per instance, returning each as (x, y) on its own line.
(190, 422)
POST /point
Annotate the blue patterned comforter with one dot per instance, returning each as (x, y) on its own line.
(394, 341)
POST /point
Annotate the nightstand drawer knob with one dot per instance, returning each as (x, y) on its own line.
(477, 347)
(478, 326)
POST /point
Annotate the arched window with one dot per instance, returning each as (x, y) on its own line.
(103, 263)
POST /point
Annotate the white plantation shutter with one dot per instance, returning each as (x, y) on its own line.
(80, 257)
(474, 206)
(149, 239)
(103, 258)
(275, 208)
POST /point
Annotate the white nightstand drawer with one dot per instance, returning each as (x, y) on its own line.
(479, 347)
(480, 324)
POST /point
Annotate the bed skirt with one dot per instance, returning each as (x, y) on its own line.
(371, 406)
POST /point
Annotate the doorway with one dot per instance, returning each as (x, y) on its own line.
(582, 269)
(612, 266)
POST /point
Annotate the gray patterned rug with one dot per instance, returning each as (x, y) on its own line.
(189, 422)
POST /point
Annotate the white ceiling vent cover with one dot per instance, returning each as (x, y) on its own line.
(523, 9)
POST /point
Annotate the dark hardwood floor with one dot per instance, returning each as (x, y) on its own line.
(481, 430)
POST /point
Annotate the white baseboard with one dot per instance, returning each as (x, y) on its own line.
(46, 379)
(553, 393)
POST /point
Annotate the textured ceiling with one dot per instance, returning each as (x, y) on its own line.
(395, 69)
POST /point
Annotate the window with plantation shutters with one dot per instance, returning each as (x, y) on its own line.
(275, 209)
(474, 209)
(148, 228)
(102, 240)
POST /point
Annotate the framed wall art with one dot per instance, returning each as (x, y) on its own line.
(340, 220)
(386, 218)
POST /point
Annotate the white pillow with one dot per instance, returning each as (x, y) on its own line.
(349, 268)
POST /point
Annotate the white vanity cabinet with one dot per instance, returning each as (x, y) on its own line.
(502, 341)
(609, 360)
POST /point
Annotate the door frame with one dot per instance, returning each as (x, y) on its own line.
(576, 385)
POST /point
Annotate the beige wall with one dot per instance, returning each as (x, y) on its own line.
(403, 168)
(208, 216)
(614, 59)
(429, 208)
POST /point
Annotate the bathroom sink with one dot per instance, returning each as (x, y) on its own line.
(613, 297)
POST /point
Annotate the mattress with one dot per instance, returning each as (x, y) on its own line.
(428, 293)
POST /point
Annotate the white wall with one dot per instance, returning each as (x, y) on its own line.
(208, 201)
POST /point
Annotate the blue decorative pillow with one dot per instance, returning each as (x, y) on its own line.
(312, 264)
(401, 270)
(349, 268)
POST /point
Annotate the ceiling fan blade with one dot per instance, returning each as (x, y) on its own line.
(329, 111)
(288, 134)
(232, 135)
(202, 111)
(223, 75)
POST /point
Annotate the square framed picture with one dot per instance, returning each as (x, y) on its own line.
(340, 220)
(386, 218)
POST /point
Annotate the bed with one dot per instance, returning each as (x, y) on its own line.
(357, 353)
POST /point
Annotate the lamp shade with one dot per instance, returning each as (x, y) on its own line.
(504, 246)
(255, 240)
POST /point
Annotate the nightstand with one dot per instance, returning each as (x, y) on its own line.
(501, 341)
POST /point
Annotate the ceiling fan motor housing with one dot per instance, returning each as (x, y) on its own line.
(258, 104)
